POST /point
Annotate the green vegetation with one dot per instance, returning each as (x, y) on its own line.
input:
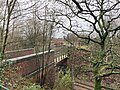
(33, 87)
(64, 81)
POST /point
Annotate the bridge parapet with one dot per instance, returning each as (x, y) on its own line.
(18, 53)
(31, 65)
(60, 58)
(23, 58)
(61, 54)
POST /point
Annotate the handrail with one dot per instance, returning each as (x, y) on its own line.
(3, 88)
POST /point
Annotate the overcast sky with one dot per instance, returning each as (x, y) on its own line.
(59, 33)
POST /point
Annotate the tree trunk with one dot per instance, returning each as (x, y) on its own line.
(98, 83)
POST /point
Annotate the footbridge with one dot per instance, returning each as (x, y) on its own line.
(33, 65)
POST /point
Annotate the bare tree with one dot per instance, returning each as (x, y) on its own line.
(9, 6)
(97, 17)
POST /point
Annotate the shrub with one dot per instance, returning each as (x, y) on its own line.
(64, 81)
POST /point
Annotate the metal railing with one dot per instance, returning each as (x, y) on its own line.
(59, 51)
(3, 88)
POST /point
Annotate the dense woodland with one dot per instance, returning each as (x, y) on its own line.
(87, 30)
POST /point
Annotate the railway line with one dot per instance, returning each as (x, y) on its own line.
(85, 86)
(82, 86)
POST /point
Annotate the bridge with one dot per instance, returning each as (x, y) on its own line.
(32, 65)
(29, 65)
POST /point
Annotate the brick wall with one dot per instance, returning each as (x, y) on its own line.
(29, 65)
(18, 53)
